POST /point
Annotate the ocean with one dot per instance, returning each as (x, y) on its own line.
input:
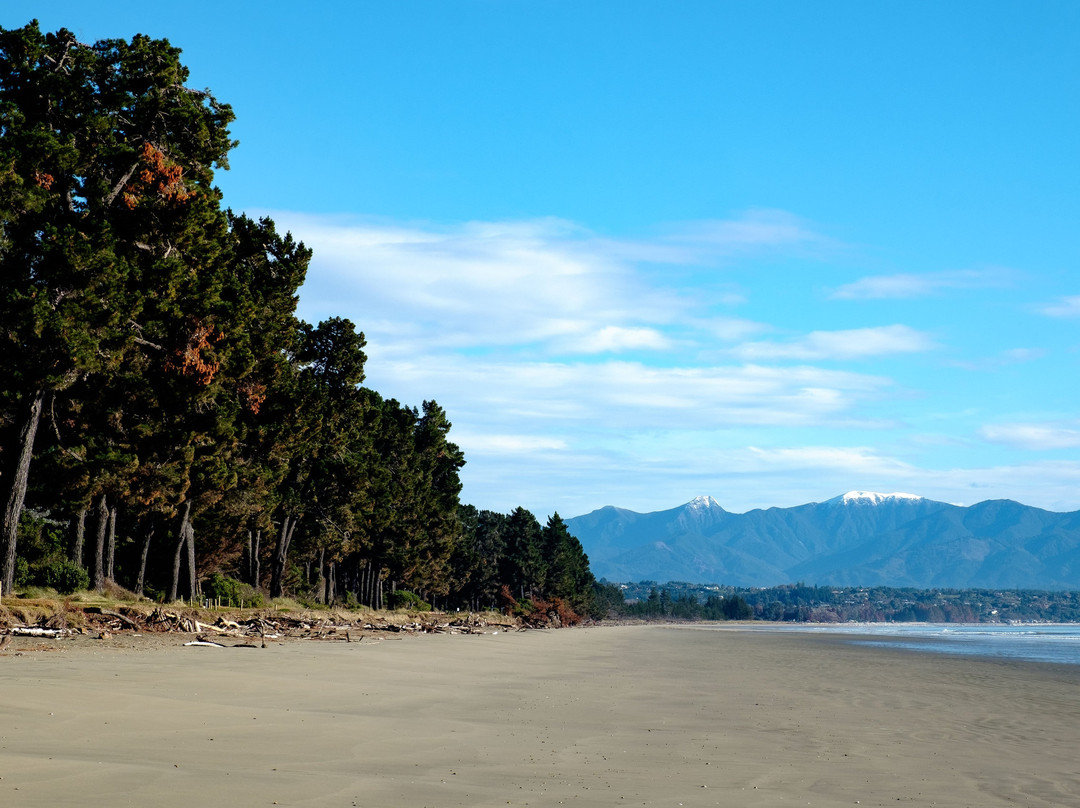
(1034, 642)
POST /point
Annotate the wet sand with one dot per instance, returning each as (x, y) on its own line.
(639, 715)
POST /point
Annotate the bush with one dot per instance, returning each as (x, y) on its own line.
(401, 599)
(22, 572)
(62, 575)
(231, 592)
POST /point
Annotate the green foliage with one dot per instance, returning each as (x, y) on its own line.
(231, 592)
(608, 600)
(23, 575)
(186, 403)
(66, 577)
(403, 599)
(826, 604)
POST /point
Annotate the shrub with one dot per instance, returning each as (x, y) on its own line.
(231, 592)
(62, 575)
(401, 599)
(22, 572)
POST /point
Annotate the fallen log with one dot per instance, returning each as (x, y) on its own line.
(117, 616)
(33, 631)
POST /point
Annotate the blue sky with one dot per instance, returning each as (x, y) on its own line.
(768, 252)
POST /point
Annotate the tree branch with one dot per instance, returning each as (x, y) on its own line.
(115, 192)
(56, 431)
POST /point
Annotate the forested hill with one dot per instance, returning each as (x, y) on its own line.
(165, 417)
(857, 539)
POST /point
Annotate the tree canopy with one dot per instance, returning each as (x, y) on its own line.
(163, 411)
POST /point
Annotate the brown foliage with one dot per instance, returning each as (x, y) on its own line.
(252, 395)
(159, 176)
(189, 359)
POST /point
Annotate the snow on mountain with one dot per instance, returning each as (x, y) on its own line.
(702, 503)
(859, 538)
(870, 498)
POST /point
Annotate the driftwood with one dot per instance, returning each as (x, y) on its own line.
(117, 616)
(34, 631)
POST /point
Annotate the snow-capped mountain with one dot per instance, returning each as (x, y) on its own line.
(867, 498)
(858, 538)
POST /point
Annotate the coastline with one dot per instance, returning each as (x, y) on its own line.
(636, 715)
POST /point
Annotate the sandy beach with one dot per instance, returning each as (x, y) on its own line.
(639, 715)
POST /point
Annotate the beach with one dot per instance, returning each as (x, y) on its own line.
(622, 715)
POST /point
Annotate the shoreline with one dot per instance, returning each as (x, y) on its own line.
(636, 715)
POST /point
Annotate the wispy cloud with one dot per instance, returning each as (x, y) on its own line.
(1012, 356)
(857, 461)
(1034, 436)
(581, 369)
(911, 285)
(615, 339)
(621, 395)
(756, 229)
(1063, 307)
(545, 285)
(857, 343)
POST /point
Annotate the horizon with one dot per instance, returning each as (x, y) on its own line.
(771, 251)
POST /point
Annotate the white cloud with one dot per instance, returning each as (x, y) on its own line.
(1012, 356)
(1064, 307)
(757, 229)
(857, 461)
(616, 339)
(1034, 436)
(731, 329)
(615, 395)
(581, 371)
(910, 285)
(857, 343)
(1016, 355)
(542, 283)
(516, 445)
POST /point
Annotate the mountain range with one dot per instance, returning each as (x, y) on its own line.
(856, 539)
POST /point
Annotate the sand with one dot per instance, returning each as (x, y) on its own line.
(609, 716)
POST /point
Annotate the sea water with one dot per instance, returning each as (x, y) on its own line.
(1036, 642)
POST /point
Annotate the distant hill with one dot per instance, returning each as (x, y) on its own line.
(857, 539)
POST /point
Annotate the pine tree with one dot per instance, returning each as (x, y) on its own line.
(106, 165)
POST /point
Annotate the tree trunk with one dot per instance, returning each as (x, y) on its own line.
(327, 580)
(19, 474)
(80, 536)
(281, 554)
(110, 550)
(189, 532)
(148, 533)
(179, 550)
(99, 545)
(256, 573)
(320, 581)
(367, 593)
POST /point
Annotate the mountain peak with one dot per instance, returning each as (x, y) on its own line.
(870, 498)
(703, 503)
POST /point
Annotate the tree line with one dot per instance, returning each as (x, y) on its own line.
(164, 413)
(802, 603)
